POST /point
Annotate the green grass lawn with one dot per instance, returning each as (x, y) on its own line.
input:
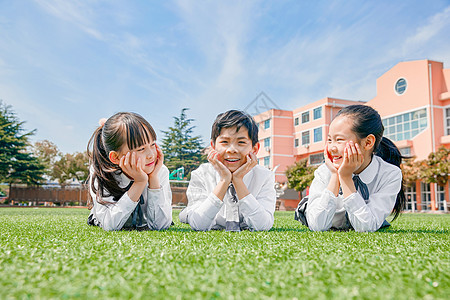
(52, 253)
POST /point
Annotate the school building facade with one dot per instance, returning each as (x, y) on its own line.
(413, 99)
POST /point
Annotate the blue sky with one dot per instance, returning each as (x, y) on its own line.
(66, 64)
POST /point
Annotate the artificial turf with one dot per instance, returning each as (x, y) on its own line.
(52, 253)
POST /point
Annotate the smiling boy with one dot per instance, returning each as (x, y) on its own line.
(232, 191)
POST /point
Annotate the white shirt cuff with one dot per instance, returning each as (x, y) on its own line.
(353, 203)
(248, 204)
(158, 189)
(127, 203)
(215, 200)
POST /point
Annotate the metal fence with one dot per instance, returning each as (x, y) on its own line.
(71, 195)
(49, 195)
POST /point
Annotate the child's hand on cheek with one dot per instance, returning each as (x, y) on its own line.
(159, 161)
(252, 161)
(133, 167)
(353, 160)
(225, 174)
(153, 179)
(328, 161)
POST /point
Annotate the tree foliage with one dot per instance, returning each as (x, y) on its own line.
(71, 166)
(300, 175)
(180, 147)
(17, 164)
(436, 168)
(411, 171)
(47, 153)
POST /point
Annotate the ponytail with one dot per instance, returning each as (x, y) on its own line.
(101, 178)
(366, 121)
(390, 153)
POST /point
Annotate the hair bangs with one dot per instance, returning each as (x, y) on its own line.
(138, 134)
(238, 119)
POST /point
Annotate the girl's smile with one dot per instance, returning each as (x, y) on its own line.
(339, 135)
(146, 153)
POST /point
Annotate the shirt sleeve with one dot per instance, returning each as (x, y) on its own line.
(258, 210)
(203, 206)
(111, 214)
(322, 203)
(369, 217)
(159, 207)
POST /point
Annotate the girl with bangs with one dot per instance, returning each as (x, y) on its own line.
(128, 182)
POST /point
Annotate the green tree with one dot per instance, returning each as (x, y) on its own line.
(436, 168)
(180, 147)
(300, 175)
(47, 153)
(411, 170)
(71, 166)
(17, 164)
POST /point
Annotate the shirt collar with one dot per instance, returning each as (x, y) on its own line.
(369, 173)
(122, 179)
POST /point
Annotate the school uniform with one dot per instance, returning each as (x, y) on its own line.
(325, 210)
(153, 210)
(205, 211)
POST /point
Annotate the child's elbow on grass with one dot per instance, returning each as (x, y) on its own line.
(262, 227)
(166, 225)
(196, 227)
(318, 227)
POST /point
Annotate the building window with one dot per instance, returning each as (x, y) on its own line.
(317, 134)
(296, 143)
(267, 161)
(440, 197)
(305, 117)
(267, 142)
(296, 122)
(447, 121)
(317, 112)
(267, 124)
(405, 126)
(400, 86)
(405, 151)
(305, 138)
(316, 159)
(426, 196)
(410, 193)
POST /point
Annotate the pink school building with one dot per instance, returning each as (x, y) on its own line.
(413, 99)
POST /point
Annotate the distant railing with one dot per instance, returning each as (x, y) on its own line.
(75, 195)
(49, 195)
(78, 195)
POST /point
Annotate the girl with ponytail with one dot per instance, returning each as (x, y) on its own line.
(129, 184)
(360, 183)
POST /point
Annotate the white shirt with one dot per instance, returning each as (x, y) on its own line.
(206, 211)
(157, 207)
(324, 210)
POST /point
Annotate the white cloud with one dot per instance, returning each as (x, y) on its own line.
(79, 13)
(438, 23)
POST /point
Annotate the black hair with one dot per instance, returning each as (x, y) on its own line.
(238, 119)
(123, 128)
(366, 121)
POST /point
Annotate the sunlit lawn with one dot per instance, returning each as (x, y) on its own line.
(52, 253)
